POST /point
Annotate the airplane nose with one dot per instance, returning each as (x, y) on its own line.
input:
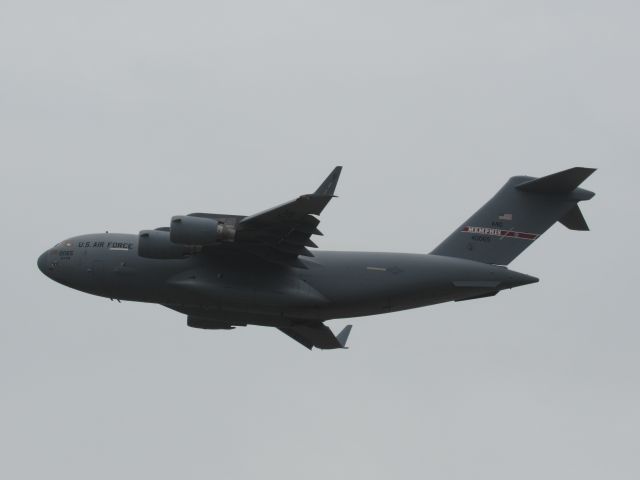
(42, 262)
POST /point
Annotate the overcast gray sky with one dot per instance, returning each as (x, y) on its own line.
(117, 115)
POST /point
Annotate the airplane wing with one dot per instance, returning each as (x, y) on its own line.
(317, 335)
(283, 233)
(308, 334)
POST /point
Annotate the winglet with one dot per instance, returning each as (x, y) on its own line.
(329, 185)
(343, 336)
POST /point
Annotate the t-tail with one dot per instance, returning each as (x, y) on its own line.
(517, 215)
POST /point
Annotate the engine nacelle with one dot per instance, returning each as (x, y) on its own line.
(157, 244)
(190, 230)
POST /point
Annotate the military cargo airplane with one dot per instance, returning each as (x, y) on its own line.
(224, 271)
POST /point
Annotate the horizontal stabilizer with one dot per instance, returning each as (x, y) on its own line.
(561, 182)
(574, 220)
(522, 210)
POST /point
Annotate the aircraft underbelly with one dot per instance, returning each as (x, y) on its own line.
(271, 292)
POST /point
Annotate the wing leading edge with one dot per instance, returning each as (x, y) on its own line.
(281, 234)
(284, 232)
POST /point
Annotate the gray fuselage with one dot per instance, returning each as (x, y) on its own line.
(223, 281)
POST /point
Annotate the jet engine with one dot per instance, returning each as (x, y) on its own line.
(157, 244)
(190, 230)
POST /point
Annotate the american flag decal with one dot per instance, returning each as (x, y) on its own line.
(498, 232)
(506, 216)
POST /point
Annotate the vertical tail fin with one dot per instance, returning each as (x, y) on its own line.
(522, 210)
